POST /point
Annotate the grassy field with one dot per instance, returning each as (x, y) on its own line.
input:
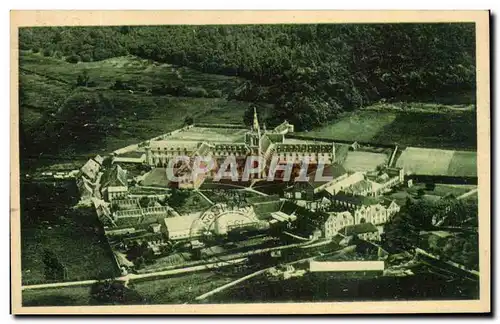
(450, 129)
(48, 82)
(438, 162)
(463, 164)
(425, 161)
(358, 126)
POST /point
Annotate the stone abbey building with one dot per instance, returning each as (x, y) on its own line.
(262, 143)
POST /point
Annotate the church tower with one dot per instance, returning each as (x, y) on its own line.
(253, 138)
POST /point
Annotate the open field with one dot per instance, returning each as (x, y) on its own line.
(450, 129)
(463, 164)
(174, 290)
(358, 126)
(425, 161)
(180, 289)
(364, 161)
(438, 162)
(47, 83)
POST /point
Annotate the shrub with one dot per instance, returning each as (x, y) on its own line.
(86, 58)
(189, 120)
(215, 94)
(73, 58)
(195, 92)
(47, 52)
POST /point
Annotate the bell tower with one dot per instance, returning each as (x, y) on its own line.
(253, 138)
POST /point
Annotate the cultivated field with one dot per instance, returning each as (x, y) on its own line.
(358, 126)
(449, 129)
(438, 162)
(363, 161)
(463, 164)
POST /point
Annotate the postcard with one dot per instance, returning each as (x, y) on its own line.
(250, 162)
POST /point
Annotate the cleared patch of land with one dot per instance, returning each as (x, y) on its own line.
(357, 126)
(46, 84)
(463, 164)
(425, 161)
(363, 161)
(449, 128)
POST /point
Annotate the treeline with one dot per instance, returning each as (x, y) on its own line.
(310, 72)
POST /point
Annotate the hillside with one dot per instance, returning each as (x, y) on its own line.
(311, 72)
(61, 120)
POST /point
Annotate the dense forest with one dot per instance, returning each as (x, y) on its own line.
(311, 72)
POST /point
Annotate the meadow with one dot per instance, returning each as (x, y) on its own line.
(438, 162)
(47, 83)
(446, 129)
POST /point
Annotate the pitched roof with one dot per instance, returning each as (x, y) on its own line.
(355, 199)
(263, 210)
(115, 177)
(99, 159)
(360, 186)
(331, 170)
(387, 202)
(90, 169)
(358, 229)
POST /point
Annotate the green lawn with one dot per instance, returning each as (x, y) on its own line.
(451, 129)
(357, 126)
(463, 164)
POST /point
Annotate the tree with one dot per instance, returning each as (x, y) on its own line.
(189, 120)
(73, 58)
(82, 79)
